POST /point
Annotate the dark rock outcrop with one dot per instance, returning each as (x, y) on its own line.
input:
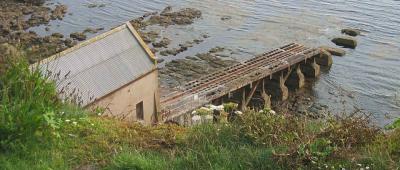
(351, 32)
(78, 36)
(346, 42)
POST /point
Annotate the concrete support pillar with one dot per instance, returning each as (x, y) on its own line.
(296, 79)
(324, 59)
(243, 101)
(265, 96)
(276, 86)
(311, 68)
(284, 90)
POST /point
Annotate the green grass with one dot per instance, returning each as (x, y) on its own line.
(37, 131)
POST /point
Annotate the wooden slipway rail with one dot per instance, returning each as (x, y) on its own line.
(210, 87)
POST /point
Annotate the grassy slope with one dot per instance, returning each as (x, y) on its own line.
(104, 143)
(38, 132)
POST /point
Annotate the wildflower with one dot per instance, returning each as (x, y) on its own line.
(359, 165)
(92, 124)
(272, 112)
(62, 113)
(75, 123)
(67, 120)
(99, 114)
(238, 112)
(367, 167)
(208, 117)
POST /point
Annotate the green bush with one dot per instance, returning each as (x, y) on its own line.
(28, 105)
(269, 129)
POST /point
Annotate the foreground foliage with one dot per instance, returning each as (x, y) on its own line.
(37, 131)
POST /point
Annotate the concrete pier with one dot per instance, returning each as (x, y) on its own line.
(324, 59)
(260, 79)
(296, 79)
(311, 68)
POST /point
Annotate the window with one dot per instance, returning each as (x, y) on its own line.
(139, 111)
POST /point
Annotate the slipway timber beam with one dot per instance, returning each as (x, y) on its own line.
(277, 65)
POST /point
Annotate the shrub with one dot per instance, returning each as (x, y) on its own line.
(350, 131)
(269, 129)
(28, 105)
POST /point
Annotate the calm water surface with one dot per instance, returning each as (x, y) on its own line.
(367, 77)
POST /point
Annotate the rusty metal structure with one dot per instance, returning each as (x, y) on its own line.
(277, 65)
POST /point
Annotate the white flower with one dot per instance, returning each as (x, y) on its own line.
(238, 112)
(75, 123)
(92, 124)
(62, 113)
(67, 120)
(359, 165)
(272, 112)
(208, 117)
(205, 108)
(99, 114)
(367, 167)
(196, 118)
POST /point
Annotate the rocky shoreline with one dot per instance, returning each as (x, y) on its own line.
(15, 30)
(16, 18)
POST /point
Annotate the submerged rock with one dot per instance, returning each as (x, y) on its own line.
(216, 49)
(78, 36)
(226, 18)
(346, 42)
(180, 71)
(149, 37)
(59, 12)
(162, 44)
(334, 51)
(57, 35)
(92, 30)
(167, 17)
(69, 42)
(351, 32)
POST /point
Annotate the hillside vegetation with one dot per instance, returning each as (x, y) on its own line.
(38, 131)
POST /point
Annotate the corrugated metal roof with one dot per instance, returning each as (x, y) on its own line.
(100, 65)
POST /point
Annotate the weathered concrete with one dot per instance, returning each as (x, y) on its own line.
(296, 79)
(266, 97)
(311, 68)
(277, 87)
(238, 82)
(122, 103)
(334, 51)
(324, 59)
